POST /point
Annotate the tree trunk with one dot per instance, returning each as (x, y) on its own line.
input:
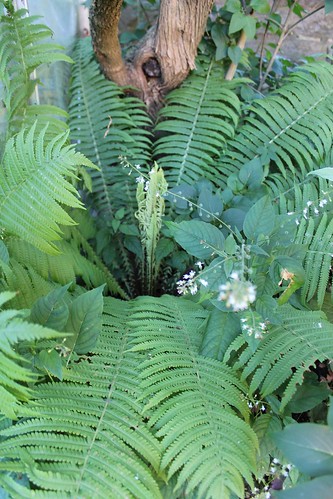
(162, 59)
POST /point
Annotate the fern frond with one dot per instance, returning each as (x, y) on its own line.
(317, 263)
(292, 128)
(286, 352)
(105, 124)
(196, 122)
(304, 203)
(33, 187)
(26, 282)
(22, 50)
(15, 371)
(199, 403)
(69, 266)
(103, 448)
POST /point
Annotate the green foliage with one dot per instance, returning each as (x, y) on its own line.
(309, 446)
(169, 396)
(198, 119)
(177, 381)
(30, 197)
(15, 370)
(304, 337)
(22, 50)
(273, 130)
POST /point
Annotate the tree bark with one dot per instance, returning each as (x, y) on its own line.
(162, 59)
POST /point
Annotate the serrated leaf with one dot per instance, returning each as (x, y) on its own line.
(259, 219)
(199, 239)
(85, 320)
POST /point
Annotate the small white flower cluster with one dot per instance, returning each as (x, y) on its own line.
(315, 209)
(237, 294)
(253, 327)
(187, 284)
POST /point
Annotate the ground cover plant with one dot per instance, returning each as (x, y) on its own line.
(165, 326)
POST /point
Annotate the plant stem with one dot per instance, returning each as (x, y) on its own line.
(286, 30)
(277, 48)
(232, 68)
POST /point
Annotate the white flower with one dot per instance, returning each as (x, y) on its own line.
(237, 294)
(203, 282)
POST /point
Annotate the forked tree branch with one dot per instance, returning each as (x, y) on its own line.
(163, 58)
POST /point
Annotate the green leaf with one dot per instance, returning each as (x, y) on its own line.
(50, 361)
(237, 23)
(308, 395)
(6, 296)
(233, 6)
(250, 27)
(235, 54)
(323, 173)
(328, 6)
(51, 310)
(259, 219)
(222, 328)
(261, 6)
(85, 320)
(220, 41)
(320, 487)
(199, 239)
(309, 446)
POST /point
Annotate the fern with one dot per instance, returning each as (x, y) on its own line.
(198, 119)
(304, 204)
(285, 352)
(105, 125)
(21, 52)
(15, 371)
(103, 448)
(33, 185)
(197, 401)
(291, 129)
(149, 214)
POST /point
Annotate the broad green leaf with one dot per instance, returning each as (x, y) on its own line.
(250, 27)
(309, 446)
(308, 395)
(261, 6)
(259, 219)
(237, 22)
(50, 360)
(230, 245)
(320, 488)
(326, 173)
(233, 6)
(85, 320)
(222, 328)
(51, 310)
(199, 239)
(219, 38)
(235, 54)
